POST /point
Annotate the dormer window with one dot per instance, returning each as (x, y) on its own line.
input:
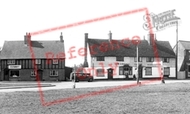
(166, 60)
(100, 58)
(149, 59)
(119, 58)
(139, 59)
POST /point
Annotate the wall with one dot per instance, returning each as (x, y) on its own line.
(131, 62)
(180, 57)
(27, 66)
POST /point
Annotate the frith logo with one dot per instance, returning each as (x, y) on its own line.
(161, 21)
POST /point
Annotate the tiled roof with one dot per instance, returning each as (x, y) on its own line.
(145, 50)
(18, 50)
(186, 44)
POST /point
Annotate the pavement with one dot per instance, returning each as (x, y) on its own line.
(44, 86)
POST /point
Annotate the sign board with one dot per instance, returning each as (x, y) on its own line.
(14, 66)
(160, 21)
(157, 63)
(122, 63)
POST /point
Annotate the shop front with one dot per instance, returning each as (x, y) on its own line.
(13, 72)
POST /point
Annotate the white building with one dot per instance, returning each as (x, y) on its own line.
(112, 59)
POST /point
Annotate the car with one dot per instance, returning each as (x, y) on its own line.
(82, 77)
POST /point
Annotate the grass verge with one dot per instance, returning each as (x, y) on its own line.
(150, 99)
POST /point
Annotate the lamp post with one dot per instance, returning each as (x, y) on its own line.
(93, 65)
(74, 85)
(137, 73)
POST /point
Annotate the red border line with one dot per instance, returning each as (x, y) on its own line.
(82, 23)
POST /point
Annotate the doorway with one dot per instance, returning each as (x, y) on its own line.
(188, 71)
(40, 75)
(6, 74)
(140, 71)
(127, 70)
(110, 73)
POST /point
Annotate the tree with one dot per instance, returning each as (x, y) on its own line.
(78, 68)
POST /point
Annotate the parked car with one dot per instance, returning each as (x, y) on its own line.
(82, 77)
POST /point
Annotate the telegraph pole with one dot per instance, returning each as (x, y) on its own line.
(176, 50)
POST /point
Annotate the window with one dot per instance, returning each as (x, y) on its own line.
(166, 60)
(127, 70)
(38, 61)
(14, 74)
(55, 61)
(33, 73)
(139, 59)
(121, 70)
(148, 71)
(100, 72)
(100, 58)
(11, 62)
(53, 73)
(149, 59)
(119, 58)
(166, 70)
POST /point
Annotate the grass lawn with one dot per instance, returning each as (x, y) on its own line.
(150, 99)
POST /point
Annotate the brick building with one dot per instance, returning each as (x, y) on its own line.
(22, 60)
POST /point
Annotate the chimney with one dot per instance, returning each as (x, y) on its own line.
(27, 39)
(61, 38)
(85, 47)
(151, 39)
(110, 36)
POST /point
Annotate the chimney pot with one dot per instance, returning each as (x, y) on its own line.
(61, 38)
(27, 38)
(110, 36)
(151, 39)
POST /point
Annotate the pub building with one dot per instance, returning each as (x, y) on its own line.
(116, 59)
(22, 60)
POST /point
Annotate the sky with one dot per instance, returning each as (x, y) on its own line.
(21, 16)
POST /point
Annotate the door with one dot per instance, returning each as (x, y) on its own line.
(40, 74)
(110, 74)
(188, 71)
(6, 74)
(127, 70)
(140, 71)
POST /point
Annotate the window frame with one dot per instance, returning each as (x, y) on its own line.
(167, 60)
(54, 73)
(37, 61)
(139, 59)
(11, 61)
(102, 74)
(148, 74)
(150, 59)
(33, 73)
(168, 68)
(100, 58)
(121, 68)
(55, 61)
(119, 58)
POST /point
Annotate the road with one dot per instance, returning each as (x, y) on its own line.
(83, 84)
